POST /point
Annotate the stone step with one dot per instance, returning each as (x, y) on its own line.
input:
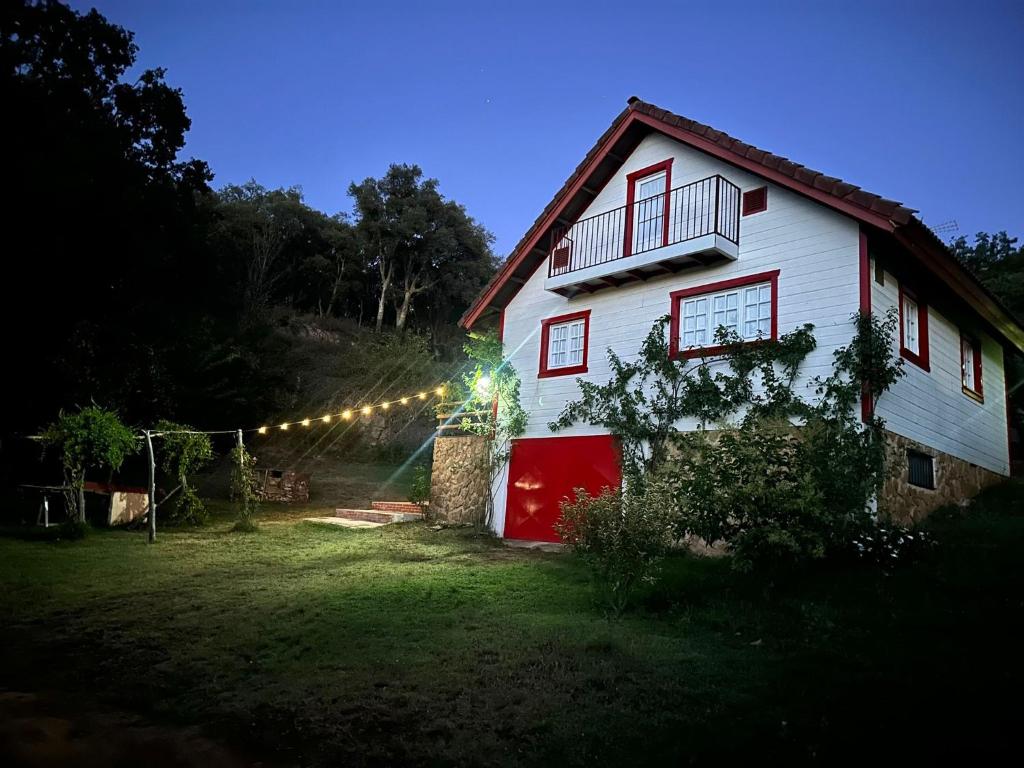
(396, 506)
(377, 515)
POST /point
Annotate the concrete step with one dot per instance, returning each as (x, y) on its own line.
(377, 515)
(396, 506)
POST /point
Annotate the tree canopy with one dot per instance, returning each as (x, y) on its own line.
(145, 289)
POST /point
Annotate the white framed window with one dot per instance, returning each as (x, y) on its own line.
(746, 310)
(970, 366)
(967, 366)
(565, 344)
(911, 330)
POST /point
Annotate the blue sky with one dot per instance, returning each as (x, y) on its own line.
(922, 102)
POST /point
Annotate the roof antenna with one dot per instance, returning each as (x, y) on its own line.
(946, 228)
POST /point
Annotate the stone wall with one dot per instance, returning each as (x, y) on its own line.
(956, 482)
(459, 482)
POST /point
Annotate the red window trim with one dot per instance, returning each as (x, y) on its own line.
(544, 371)
(631, 179)
(676, 298)
(749, 211)
(979, 392)
(920, 359)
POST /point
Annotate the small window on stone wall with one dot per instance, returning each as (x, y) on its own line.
(921, 469)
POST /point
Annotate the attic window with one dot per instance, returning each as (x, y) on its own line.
(755, 201)
(921, 470)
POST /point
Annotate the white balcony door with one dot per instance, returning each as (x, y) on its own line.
(649, 212)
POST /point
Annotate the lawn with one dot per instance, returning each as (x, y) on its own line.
(311, 644)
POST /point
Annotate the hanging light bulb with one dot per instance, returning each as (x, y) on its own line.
(262, 430)
(385, 406)
(439, 391)
(404, 401)
(326, 419)
(346, 415)
(422, 395)
(284, 427)
(305, 422)
(367, 410)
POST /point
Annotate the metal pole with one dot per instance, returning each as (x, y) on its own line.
(152, 487)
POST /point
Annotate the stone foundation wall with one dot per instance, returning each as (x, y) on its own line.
(956, 482)
(459, 482)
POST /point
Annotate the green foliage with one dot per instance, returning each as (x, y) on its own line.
(621, 537)
(184, 305)
(887, 546)
(645, 399)
(492, 380)
(90, 438)
(425, 250)
(245, 489)
(780, 495)
(183, 452)
(792, 480)
(998, 262)
(419, 491)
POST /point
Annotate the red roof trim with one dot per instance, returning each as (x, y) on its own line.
(546, 219)
(801, 180)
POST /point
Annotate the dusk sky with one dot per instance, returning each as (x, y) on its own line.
(922, 102)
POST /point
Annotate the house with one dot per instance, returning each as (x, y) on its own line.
(668, 216)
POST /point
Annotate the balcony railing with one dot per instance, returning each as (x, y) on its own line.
(710, 206)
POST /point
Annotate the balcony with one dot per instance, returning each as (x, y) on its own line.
(695, 224)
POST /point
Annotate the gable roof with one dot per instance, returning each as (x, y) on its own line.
(640, 118)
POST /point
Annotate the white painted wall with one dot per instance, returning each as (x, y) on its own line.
(930, 406)
(815, 248)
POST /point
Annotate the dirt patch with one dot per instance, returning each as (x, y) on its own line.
(39, 730)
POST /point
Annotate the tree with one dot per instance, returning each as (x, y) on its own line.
(414, 238)
(91, 438)
(104, 214)
(998, 262)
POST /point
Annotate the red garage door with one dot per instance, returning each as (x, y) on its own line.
(545, 470)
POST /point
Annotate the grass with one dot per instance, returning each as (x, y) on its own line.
(313, 644)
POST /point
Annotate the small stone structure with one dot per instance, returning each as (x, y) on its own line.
(460, 482)
(956, 482)
(283, 485)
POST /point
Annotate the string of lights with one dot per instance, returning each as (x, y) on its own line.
(351, 413)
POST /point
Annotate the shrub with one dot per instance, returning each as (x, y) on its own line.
(621, 537)
(244, 489)
(784, 480)
(184, 452)
(887, 545)
(419, 492)
(749, 489)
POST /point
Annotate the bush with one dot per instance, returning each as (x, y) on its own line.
(752, 490)
(621, 537)
(419, 492)
(888, 545)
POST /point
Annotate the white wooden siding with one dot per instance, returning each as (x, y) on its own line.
(815, 249)
(930, 406)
